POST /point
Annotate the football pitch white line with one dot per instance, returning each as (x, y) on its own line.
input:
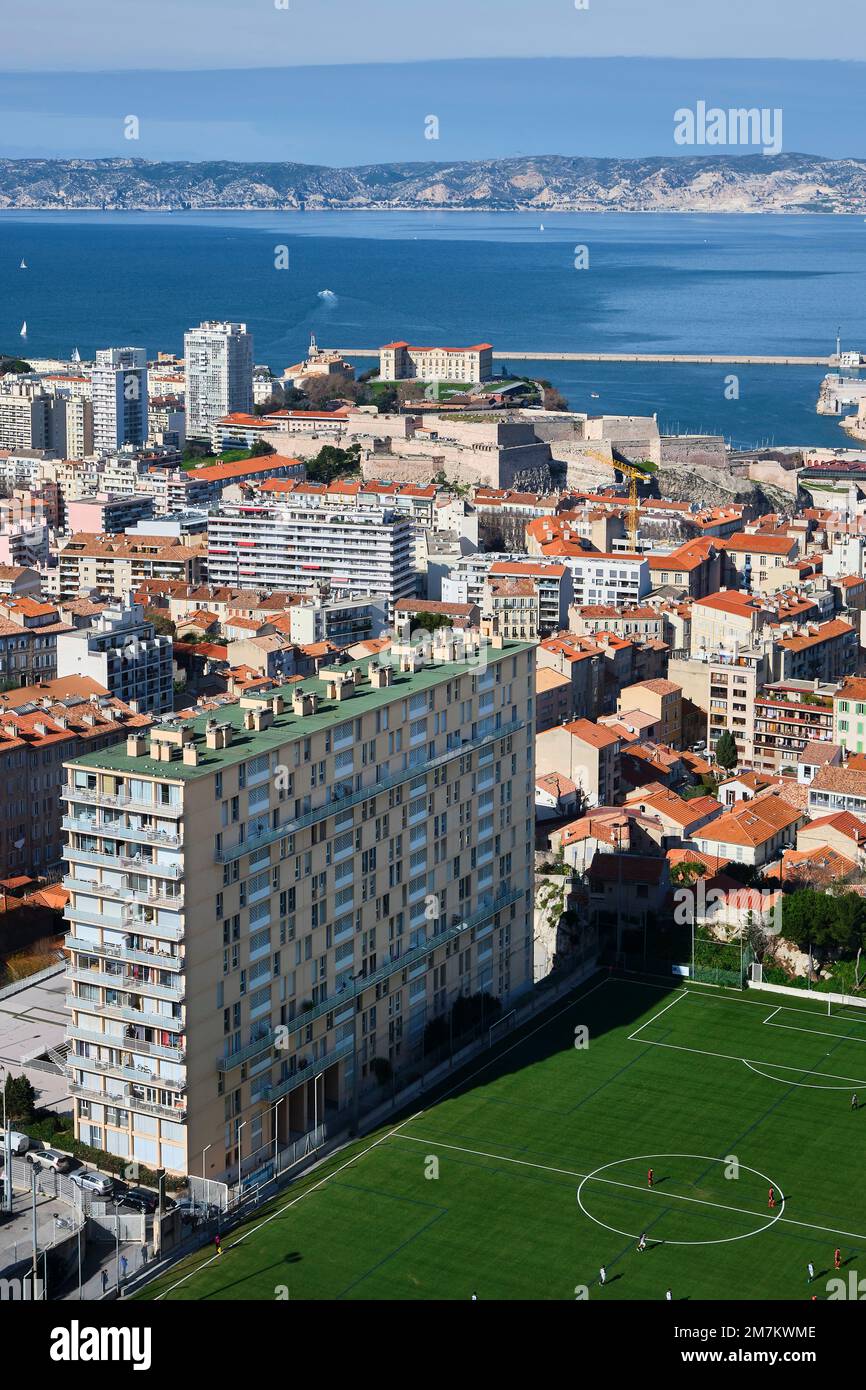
(752, 1062)
(613, 1182)
(816, 1032)
(253, 1230)
(690, 988)
(732, 1057)
(633, 1036)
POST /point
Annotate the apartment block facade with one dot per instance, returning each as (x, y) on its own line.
(219, 375)
(119, 379)
(122, 652)
(266, 903)
(286, 545)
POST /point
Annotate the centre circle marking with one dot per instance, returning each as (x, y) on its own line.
(704, 1158)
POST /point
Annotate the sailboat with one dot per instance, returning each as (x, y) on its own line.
(24, 329)
(76, 355)
(23, 265)
(541, 226)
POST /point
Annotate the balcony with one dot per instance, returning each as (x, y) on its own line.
(126, 1043)
(141, 1075)
(164, 1022)
(129, 1102)
(332, 808)
(122, 801)
(308, 1068)
(124, 895)
(158, 959)
(89, 825)
(126, 922)
(103, 860)
(106, 979)
(391, 967)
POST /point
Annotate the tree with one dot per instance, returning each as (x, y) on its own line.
(260, 447)
(331, 462)
(20, 1099)
(162, 626)
(551, 398)
(824, 921)
(686, 872)
(196, 449)
(320, 389)
(430, 621)
(726, 751)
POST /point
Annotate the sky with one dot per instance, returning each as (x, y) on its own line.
(347, 82)
(94, 35)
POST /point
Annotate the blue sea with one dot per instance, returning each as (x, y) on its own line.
(666, 283)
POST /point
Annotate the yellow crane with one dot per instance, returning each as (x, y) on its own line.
(635, 472)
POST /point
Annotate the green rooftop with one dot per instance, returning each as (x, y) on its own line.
(286, 727)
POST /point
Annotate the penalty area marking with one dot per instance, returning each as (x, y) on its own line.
(809, 1085)
(717, 1206)
(434, 1144)
(750, 1062)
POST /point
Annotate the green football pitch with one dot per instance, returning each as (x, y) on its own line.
(529, 1176)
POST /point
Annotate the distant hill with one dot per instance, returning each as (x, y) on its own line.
(543, 183)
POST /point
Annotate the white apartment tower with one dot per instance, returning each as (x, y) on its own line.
(119, 379)
(219, 375)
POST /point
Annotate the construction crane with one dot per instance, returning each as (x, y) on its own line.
(635, 473)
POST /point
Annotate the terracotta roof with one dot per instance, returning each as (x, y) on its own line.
(556, 783)
(751, 823)
(588, 732)
(825, 632)
(741, 543)
(519, 567)
(217, 472)
(845, 822)
(658, 686)
(548, 679)
(840, 779)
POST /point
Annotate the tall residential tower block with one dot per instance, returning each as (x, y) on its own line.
(270, 904)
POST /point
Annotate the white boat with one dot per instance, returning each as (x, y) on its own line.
(23, 265)
(24, 329)
(594, 395)
(541, 226)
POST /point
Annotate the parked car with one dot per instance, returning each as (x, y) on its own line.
(20, 1142)
(140, 1199)
(96, 1183)
(53, 1159)
(195, 1211)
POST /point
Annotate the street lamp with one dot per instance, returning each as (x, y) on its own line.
(117, 1243)
(275, 1108)
(203, 1178)
(355, 979)
(7, 1147)
(240, 1165)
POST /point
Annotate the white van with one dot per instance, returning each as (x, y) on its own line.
(20, 1142)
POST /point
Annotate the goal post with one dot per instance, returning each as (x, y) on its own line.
(502, 1026)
